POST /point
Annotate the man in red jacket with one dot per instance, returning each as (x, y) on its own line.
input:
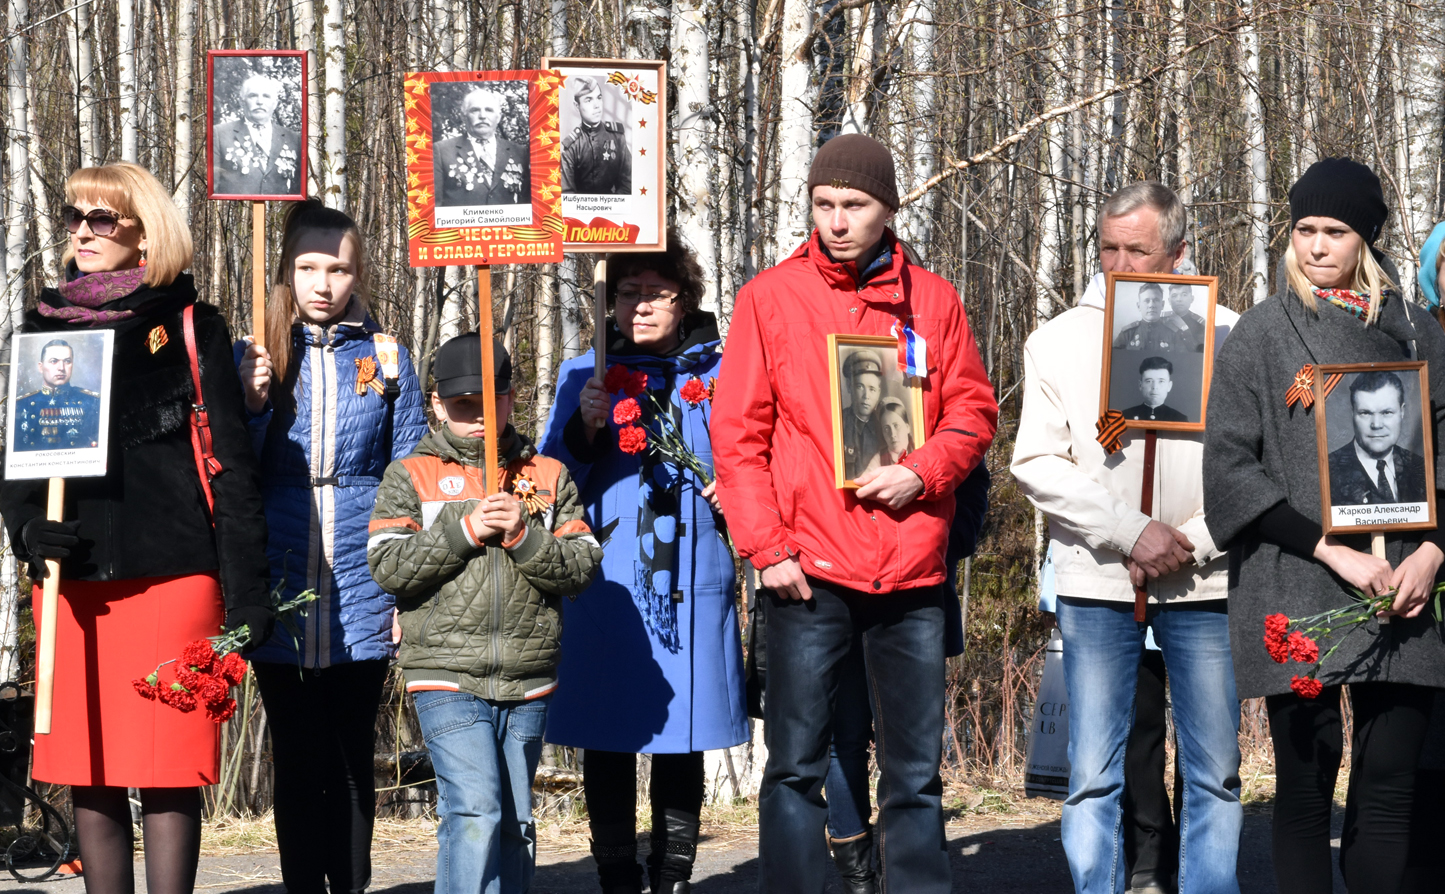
(848, 569)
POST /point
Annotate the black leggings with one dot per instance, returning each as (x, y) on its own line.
(609, 781)
(1390, 723)
(323, 741)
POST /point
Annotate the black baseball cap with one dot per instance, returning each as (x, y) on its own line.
(458, 368)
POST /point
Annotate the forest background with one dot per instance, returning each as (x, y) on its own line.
(1011, 121)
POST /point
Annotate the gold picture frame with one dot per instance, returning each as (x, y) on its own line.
(862, 443)
(1173, 352)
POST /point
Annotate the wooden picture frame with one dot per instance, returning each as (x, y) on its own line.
(237, 168)
(1149, 351)
(460, 211)
(860, 444)
(611, 219)
(1350, 502)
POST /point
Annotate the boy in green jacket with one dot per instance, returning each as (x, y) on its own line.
(479, 581)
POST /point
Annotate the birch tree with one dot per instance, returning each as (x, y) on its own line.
(81, 73)
(1258, 168)
(126, 77)
(696, 153)
(795, 133)
(333, 38)
(306, 42)
(915, 223)
(185, 59)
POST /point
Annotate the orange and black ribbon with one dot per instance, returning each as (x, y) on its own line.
(1111, 429)
(1303, 389)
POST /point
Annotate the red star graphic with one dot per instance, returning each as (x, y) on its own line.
(643, 151)
(642, 189)
(642, 122)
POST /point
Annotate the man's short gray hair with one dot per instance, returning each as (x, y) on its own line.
(1173, 217)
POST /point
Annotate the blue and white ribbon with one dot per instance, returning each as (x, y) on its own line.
(912, 351)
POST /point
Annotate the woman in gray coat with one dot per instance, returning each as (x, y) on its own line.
(1262, 500)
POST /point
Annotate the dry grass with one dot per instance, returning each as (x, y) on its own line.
(237, 836)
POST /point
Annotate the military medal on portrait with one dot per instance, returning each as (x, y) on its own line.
(59, 404)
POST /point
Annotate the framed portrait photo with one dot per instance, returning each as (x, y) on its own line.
(1158, 349)
(58, 419)
(256, 124)
(613, 122)
(483, 160)
(1377, 465)
(877, 410)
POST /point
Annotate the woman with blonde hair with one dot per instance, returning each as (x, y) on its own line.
(1338, 304)
(162, 550)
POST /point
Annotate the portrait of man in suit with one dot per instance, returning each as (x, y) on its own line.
(481, 167)
(1156, 380)
(256, 155)
(1373, 467)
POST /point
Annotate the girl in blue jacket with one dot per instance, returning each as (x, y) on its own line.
(333, 400)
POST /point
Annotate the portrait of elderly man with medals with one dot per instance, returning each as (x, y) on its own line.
(481, 167)
(59, 416)
(596, 155)
(256, 155)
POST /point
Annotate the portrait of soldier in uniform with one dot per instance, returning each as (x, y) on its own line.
(1150, 332)
(862, 434)
(482, 167)
(59, 415)
(1156, 380)
(1188, 325)
(596, 155)
(256, 155)
(1374, 467)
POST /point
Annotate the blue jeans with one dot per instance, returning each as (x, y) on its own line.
(808, 647)
(1102, 646)
(485, 754)
(846, 786)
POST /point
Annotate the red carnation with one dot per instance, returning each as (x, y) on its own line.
(1274, 637)
(177, 697)
(632, 439)
(636, 383)
(222, 712)
(189, 678)
(626, 412)
(694, 392)
(617, 378)
(212, 691)
(1303, 649)
(198, 655)
(232, 668)
(144, 689)
(1306, 687)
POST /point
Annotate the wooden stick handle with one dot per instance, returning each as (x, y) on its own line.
(1377, 549)
(489, 376)
(1146, 506)
(258, 273)
(599, 317)
(50, 598)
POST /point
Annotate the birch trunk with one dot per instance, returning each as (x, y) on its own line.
(18, 210)
(795, 132)
(1258, 170)
(1179, 84)
(333, 39)
(82, 72)
(748, 74)
(1054, 199)
(915, 222)
(573, 303)
(696, 160)
(646, 28)
(1418, 89)
(125, 77)
(306, 42)
(859, 95)
(185, 59)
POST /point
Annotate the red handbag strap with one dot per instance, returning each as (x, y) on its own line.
(207, 466)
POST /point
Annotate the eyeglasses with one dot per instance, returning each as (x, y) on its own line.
(101, 221)
(656, 299)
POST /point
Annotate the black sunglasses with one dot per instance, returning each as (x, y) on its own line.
(102, 222)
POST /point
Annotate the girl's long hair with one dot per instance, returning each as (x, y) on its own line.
(302, 218)
(1369, 278)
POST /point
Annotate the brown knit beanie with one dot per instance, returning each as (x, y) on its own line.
(855, 161)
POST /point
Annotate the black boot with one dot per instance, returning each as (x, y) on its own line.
(615, 850)
(854, 859)
(674, 848)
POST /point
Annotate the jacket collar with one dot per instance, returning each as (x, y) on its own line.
(356, 323)
(472, 451)
(879, 282)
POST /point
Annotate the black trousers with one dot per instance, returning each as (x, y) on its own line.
(1390, 724)
(323, 744)
(609, 782)
(1151, 831)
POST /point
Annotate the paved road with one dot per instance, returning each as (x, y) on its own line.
(988, 856)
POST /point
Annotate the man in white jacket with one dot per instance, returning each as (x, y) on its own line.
(1103, 546)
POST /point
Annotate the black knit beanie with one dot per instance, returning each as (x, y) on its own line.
(855, 161)
(1343, 189)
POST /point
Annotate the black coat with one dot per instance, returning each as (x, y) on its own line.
(147, 517)
(1351, 486)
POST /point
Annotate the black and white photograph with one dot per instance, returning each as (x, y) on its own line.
(1376, 466)
(877, 412)
(1159, 349)
(59, 407)
(482, 154)
(596, 137)
(257, 124)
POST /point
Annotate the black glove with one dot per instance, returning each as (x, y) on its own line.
(45, 539)
(259, 619)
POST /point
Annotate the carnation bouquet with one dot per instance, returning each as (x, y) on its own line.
(660, 431)
(207, 669)
(1296, 639)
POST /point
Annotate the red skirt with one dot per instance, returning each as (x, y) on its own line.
(109, 633)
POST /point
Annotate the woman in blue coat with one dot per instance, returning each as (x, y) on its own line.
(651, 652)
(332, 402)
